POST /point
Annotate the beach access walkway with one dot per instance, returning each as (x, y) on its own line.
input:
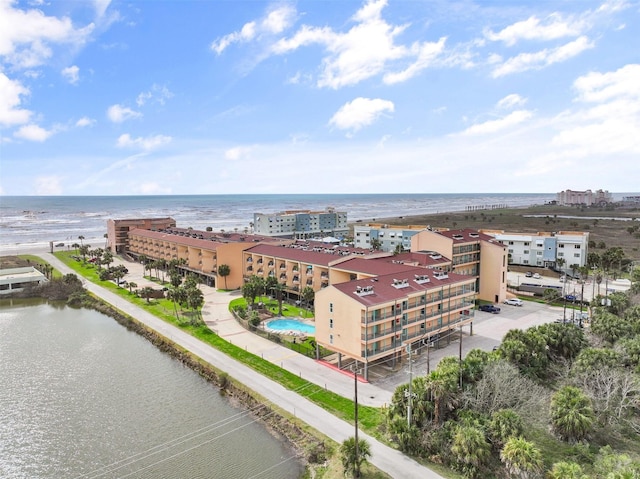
(383, 457)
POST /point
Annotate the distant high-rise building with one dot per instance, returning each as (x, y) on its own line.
(587, 197)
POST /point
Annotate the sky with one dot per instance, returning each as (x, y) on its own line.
(335, 96)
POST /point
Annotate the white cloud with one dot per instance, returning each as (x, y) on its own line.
(275, 22)
(552, 28)
(10, 93)
(360, 53)
(426, 54)
(157, 94)
(360, 112)
(597, 87)
(493, 126)
(510, 101)
(33, 133)
(85, 121)
(71, 74)
(146, 144)
(119, 113)
(237, 153)
(48, 185)
(609, 121)
(543, 58)
(26, 36)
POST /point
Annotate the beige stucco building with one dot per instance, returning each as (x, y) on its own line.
(118, 230)
(379, 318)
(472, 253)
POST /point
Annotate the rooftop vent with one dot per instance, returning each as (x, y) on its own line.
(364, 290)
(457, 237)
(400, 283)
(422, 278)
(435, 256)
(440, 275)
(474, 235)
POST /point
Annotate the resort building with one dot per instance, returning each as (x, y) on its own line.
(586, 197)
(472, 253)
(16, 279)
(301, 224)
(385, 237)
(118, 230)
(375, 319)
(197, 252)
(562, 249)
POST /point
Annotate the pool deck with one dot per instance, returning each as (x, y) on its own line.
(289, 332)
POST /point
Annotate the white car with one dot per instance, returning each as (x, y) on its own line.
(513, 302)
(536, 276)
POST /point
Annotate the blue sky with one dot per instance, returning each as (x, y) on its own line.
(177, 97)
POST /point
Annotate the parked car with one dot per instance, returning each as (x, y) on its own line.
(536, 276)
(59, 245)
(513, 302)
(528, 274)
(562, 279)
(570, 297)
(489, 308)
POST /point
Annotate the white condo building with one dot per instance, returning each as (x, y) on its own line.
(544, 249)
(301, 224)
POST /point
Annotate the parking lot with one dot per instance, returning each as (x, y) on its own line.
(488, 331)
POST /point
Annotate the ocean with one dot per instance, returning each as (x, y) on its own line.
(34, 221)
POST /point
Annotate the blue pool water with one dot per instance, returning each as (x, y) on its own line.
(291, 325)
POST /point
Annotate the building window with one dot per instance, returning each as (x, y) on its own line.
(576, 255)
(510, 243)
(526, 251)
(561, 246)
(330, 323)
(539, 253)
(331, 307)
(576, 246)
(331, 339)
(560, 254)
(526, 243)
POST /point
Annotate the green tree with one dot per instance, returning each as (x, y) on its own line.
(471, 449)
(443, 384)
(132, 285)
(609, 327)
(521, 458)
(146, 293)
(308, 295)
(224, 270)
(563, 340)
(353, 457)
(592, 359)
(195, 301)
(249, 293)
(278, 289)
(572, 416)
(376, 244)
(504, 424)
(566, 470)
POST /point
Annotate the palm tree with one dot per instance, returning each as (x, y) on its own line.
(521, 458)
(572, 416)
(224, 270)
(307, 296)
(470, 448)
(278, 289)
(352, 457)
(566, 470)
(132, 286)
(81, 238)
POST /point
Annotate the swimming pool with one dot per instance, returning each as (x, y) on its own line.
(291, 325)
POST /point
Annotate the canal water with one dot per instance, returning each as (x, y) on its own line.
(81, 397)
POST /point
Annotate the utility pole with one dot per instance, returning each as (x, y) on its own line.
(355, 402)
(410, 395)
(460, 356)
